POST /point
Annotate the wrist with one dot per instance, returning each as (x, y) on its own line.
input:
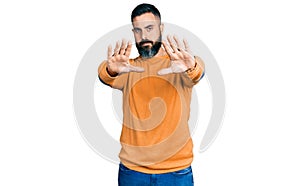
(193, 66)
(111, 73)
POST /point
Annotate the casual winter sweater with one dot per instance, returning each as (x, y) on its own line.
(155, 136)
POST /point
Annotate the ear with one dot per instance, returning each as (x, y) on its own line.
(162, 26)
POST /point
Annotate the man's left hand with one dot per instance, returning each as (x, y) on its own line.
(180, 55)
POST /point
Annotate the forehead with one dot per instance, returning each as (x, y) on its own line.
(145, 19)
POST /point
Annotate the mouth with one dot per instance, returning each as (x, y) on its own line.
(146, 43)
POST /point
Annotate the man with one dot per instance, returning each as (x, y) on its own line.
(157, 86)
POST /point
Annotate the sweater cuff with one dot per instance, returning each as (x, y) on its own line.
(196, 72)
(104, 75)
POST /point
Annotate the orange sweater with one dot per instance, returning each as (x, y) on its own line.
(155, 135)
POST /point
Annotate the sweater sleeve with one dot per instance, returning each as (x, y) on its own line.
(197, 72)
(116, 82)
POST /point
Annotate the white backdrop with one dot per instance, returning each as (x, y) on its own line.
(256, 44)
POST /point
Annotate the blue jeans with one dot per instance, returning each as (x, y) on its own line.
(128, 177)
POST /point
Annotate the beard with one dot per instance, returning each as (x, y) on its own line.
(147, 51)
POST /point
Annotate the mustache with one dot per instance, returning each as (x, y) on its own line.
(145, 41)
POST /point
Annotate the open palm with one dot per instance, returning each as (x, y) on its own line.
(118, 62)
(180, 56)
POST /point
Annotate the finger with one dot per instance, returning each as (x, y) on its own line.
(109, 52)
(169, 42)
(117, 48)
(128, 49)
(186, 46)
(135, 69)
(186, 54)
(123, 47)
(178, 43)
(173, 46)
(168, 49)
(169, 39)
(165, 71)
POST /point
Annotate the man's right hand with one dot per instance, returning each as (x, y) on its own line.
(118, 62)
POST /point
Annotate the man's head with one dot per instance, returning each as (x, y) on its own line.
(147, 29)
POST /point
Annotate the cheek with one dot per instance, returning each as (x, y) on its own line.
(137, 38)
(155, 35)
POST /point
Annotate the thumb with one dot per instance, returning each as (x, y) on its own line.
(135, 69)
(165, 71)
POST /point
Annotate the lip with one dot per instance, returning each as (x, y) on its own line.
(147, 44)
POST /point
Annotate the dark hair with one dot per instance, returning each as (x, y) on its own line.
(144, 8)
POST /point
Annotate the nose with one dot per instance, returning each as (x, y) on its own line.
(144, 35)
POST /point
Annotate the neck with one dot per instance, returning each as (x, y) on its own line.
(161, 52)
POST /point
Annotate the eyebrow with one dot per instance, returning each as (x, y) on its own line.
(148, 26)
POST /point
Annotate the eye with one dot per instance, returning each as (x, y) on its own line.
(149, 28)
(137, 30)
